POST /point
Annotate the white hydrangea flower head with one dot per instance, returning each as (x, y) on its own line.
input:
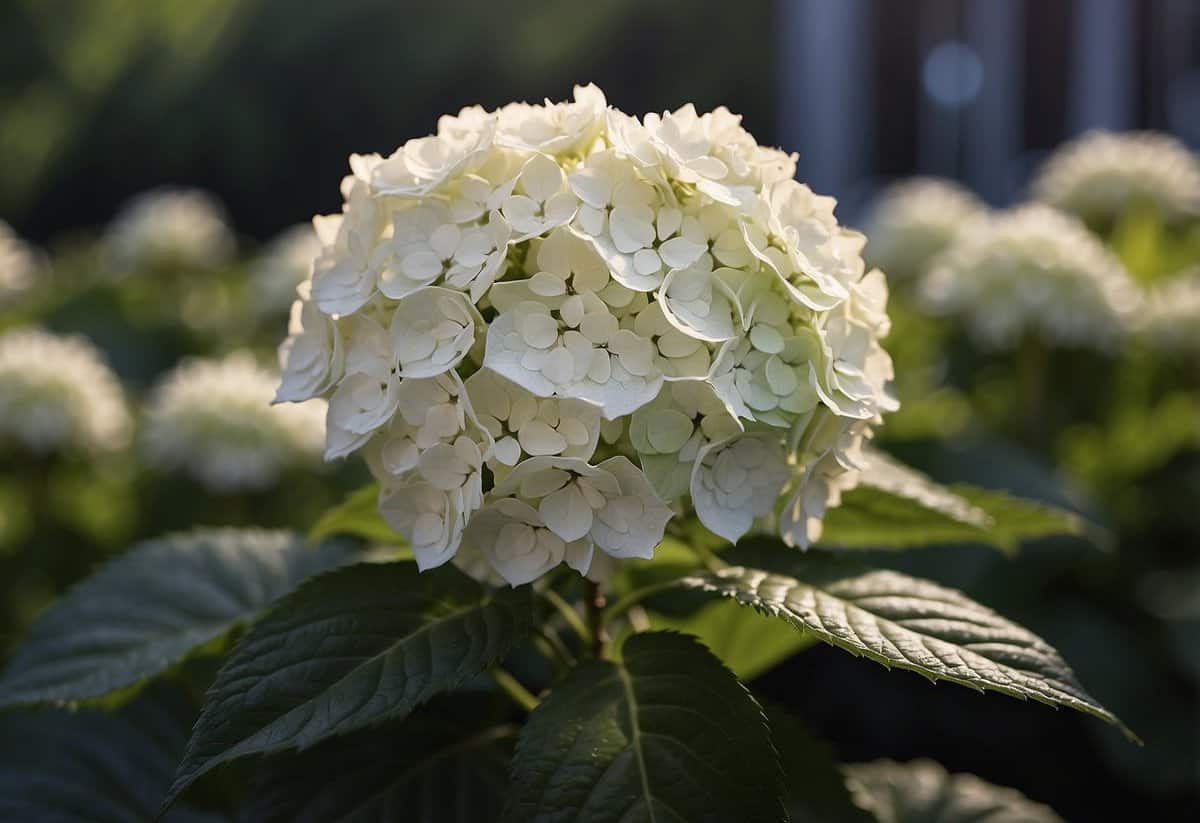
(58, 394)
(19, 264)
(1101, 174)
(551, 328)
(1171, 319)
(212, 419)
(170, 227)
(1033, 270)
(281, 267)
(912, 221)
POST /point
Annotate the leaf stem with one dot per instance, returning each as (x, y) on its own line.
(556, 646)
(510, 686)
(634, 598)
(569, 614)
(595, 602)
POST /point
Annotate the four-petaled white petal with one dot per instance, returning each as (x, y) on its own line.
(669, 433)
(428, 518)
(737, 480)
(432, 331)
(515, 540)
(312, 356)
(521, 423)
(613, 504)
(542, 201)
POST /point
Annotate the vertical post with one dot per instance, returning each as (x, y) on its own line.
(826, 89)
(595, 602)
(994, 122)
(1104, 35)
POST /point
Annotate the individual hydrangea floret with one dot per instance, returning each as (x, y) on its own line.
(58, 394)
(1171, 319)
(551, 328)
(281, 267)
(1101, 174)
(19, 264)
(169, 227)
(213, 420)
(913, 220)
(1033, 271)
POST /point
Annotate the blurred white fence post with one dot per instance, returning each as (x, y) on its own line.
(827, 90)
(1103, 47)
(994, 125)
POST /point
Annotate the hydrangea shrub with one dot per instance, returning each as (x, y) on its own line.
(582, 354)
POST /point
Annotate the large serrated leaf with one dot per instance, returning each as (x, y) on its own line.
(91, 766)
(150, 608)
(923, 792)
(446, 762)
(900, 621)
(897, 507)
(357, 646)
(666, 734)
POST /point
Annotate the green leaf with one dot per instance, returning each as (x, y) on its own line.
(448, 761)
(815, 786)
(357, 516)
(923, 792)
(749, 643)
(666, 733)
(900, 621)
(95, 767)
(357, 646)
(898, 507)
(149, 609)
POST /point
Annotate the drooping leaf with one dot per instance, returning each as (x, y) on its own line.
(348, 649)
(666, 733)
(150, 608)
(446, 762)
(923, 792)
(89, 766)
(816, 788)
(900, 621)
(895, 506)
(358, 516)
(747, 642)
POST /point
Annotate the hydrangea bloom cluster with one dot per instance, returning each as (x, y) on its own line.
(58, 394)
(1171, 320)
(550, 328)
(913, 220)
(213, 420)
(1033, 270)
(284, 264)
(18, 264)
(1100, 174)
(169, 227)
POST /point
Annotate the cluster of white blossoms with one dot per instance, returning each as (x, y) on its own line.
(1033, 271)
(1101, 174)
(58, 394)
(913, 220)
(1171, 319)
(283, 264)
(169, 227)
(18, 265)
(550, 328)
(213, 420)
